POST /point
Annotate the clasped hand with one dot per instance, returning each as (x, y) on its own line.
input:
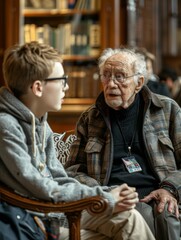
(126, 198)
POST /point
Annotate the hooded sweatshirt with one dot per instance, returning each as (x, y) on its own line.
(28, 161)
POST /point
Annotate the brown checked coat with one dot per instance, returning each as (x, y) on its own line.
(91, 154)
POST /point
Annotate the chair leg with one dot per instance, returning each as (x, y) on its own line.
(74, 225)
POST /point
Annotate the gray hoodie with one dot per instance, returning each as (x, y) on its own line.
(27, 147)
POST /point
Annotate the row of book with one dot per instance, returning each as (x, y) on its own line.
(178, 43)
(63, 4)
(83, 81)
(88, 4)
(81, 38)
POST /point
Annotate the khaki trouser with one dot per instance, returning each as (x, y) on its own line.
(128, 225)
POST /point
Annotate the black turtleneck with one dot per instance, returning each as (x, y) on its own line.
(126, 125)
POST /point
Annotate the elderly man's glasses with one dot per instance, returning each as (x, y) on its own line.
(120, 78)
(63, 79)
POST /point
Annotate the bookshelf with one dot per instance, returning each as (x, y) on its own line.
(158, 27)
(73, 28)
(78, 30)
(111, 18)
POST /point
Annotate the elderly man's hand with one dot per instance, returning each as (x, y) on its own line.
(163, 197)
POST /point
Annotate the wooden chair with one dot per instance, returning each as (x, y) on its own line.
(72, 210)
(63, 143)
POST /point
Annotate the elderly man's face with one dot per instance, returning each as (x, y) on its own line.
(120, 81)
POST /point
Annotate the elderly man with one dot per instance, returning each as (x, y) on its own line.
(131, 135)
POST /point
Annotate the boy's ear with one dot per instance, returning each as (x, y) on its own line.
(140, 84)
(37, 88)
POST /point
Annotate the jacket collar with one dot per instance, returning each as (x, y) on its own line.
(151, 97)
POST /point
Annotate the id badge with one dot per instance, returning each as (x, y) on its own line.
(131, 164)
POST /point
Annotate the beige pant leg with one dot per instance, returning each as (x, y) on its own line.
(91, 235)
(123, 226)
(85, 235)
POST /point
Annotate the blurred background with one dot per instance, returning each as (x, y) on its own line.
(81, 29)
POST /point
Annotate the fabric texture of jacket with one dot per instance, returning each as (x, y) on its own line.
(91, 155)
(25, 143)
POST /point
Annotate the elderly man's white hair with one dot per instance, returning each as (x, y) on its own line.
(134, 58)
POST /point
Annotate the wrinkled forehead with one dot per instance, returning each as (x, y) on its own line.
(122, 62)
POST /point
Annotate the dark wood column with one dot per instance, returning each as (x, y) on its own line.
(143, 23)
(110, 22)
(9, 27)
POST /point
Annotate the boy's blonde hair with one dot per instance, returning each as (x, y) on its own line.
(24, 64)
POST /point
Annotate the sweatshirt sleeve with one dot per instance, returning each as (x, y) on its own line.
(18, 170)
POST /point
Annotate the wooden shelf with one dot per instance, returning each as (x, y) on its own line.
(75, 101)
(71, 109)
(66, 118)
(79, 57)
(56, 12)
(173, 56)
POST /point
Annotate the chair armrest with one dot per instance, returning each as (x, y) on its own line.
(94, 205)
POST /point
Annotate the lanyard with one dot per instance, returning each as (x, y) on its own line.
(129, 146)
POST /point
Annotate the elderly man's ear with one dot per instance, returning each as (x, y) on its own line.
(140, 84)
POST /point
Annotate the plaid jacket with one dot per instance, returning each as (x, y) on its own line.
(91, 155)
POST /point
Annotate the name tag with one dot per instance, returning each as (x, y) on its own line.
(131, 164)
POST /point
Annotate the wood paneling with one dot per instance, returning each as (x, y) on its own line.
(110, 24)
(9, 27)
(148, 28)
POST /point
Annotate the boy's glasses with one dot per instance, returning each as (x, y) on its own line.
(64, 79)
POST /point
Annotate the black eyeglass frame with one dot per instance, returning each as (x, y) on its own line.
(58, 78)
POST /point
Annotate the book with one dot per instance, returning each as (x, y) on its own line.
(46, 33)
(27, 37)
(87, 81)
(71, 71)
(32, 29)
(71, 4)
(40, 4)
(40, 34)
(62, 4)
(95, 39)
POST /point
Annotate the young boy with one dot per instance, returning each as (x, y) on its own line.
(35, 85)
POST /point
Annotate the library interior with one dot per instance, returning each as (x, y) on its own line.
(82, 29)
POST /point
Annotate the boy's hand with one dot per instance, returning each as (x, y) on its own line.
(125, 196)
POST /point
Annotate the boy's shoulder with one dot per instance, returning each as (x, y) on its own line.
(8, 121)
